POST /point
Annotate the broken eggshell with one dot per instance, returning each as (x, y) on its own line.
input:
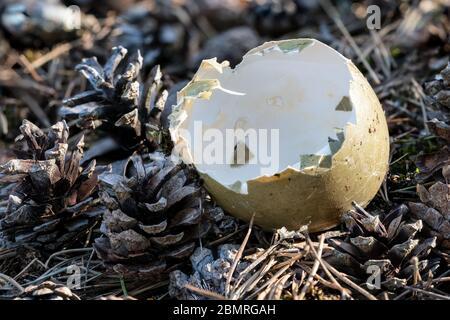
(332, 144)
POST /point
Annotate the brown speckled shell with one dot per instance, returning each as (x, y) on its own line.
(292, 198)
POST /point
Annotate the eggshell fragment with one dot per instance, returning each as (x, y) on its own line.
(332, 146)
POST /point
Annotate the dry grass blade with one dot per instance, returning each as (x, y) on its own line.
(51, 257)
(238, 257)
(315, 268)
(344, 292)
(252, 282)
(24, 270)
(12, 282)
(326, 283)
(350, 283)
(205, 293)
(269, 283)
(335, 16)
(53, 54)
(419, 92)
(429, 293)
(255, 263)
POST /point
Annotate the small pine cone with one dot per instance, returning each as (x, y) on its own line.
(119, 104)
(53, 200)
(438, 97)
(47, 290)
(434, 211)
(438, 89)
(387, 241)
(157, 210)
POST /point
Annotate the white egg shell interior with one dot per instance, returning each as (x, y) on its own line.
(300, 88)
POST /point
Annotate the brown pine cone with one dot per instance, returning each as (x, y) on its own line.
(387, 241)
(434, 211)
(53, 200)
(438, 97)
(47, 290)
(156, 212)
(119, 104)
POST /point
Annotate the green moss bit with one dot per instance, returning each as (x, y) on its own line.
(236, 187)
(294, 45)
(199, 87)
(344, 105)
(334, 144)
(315, 160)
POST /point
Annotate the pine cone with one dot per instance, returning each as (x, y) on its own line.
(431, 165)
(388, 241)
(434, 212)
(53, 199)
(157, 210)
(47, 290)
(438, 96)
(119, 104)
(438, 88)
